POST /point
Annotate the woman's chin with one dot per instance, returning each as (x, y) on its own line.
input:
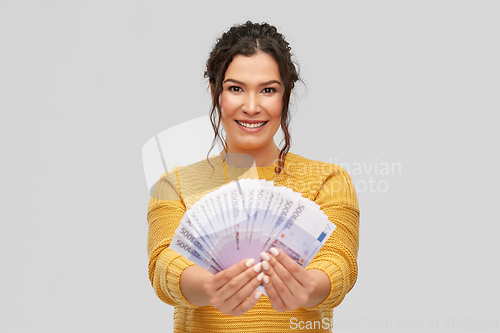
(251, 146)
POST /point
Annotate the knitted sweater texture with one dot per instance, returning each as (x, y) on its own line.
(326, 184)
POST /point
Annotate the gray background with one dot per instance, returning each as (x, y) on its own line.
(411, 84)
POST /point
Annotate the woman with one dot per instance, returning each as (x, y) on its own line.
(251, 76)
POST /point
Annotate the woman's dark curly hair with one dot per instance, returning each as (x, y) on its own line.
(249, 39)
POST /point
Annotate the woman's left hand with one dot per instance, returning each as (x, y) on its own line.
(288, 285)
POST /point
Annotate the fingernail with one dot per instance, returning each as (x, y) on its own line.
(257, 268)
(266, 279)
(260, 276)
(250, 262)
(265, 265)
(264, 256)
(274, 251)
(258, 294)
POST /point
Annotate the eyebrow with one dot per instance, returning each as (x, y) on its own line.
(261, 84)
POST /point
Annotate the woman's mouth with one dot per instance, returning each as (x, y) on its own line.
(256, 125)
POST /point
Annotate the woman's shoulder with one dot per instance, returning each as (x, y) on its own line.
(191, 173)
(195, 180)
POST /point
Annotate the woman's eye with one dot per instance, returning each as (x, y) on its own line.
(234, 88)
(269, 90)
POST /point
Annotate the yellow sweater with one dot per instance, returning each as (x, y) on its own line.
(324, 183)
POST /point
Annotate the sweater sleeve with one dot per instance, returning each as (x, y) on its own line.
(165, 210)
(337, 258)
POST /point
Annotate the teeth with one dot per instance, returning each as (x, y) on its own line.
(251, 125)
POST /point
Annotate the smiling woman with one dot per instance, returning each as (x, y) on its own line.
(251, 104)
(251, 76)
(255, 62)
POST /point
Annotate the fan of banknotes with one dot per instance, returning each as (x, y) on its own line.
(246, 217)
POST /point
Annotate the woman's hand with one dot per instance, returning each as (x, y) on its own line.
(289, 286)
(230, 291)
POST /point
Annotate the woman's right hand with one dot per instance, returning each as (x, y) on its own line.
(230, 291)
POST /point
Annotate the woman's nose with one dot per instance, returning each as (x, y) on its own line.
(252, 104)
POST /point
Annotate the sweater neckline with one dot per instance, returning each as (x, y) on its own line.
(275, 164)
(267, 172)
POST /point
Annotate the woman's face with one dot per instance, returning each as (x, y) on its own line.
(252, 83)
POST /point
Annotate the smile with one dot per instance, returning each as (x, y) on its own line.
(252, 125)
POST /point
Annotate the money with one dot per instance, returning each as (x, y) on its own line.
(246, 217)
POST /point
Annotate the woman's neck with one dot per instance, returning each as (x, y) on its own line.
(248, 158)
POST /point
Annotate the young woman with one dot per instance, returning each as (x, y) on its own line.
(251, 76)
